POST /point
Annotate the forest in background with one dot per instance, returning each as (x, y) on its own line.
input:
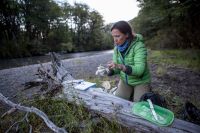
(33, 27)
(171, 24)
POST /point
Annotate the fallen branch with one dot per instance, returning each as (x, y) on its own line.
(9, 112)
(24, 118)
(38, 112)
(46, 83)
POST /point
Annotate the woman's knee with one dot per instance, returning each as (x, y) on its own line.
(124, 91)
(140, 90)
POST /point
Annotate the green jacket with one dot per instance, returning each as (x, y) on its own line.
(135, 57)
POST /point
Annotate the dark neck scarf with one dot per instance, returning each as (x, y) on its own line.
(123, 46)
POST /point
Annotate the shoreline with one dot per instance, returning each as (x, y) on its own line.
(26, 61)
(12, 80)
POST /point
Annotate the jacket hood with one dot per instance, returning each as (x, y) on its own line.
(139, 37)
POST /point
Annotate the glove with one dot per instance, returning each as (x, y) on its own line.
(101, 70)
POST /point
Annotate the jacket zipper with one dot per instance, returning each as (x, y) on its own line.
(126, 76)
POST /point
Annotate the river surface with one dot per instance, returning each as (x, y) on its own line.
(17, 62)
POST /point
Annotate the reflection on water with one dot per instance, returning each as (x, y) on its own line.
(10, 63)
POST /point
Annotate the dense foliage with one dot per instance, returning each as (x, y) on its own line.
(169, 23)
(34, 27)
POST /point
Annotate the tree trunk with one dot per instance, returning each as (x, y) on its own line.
(112, 107)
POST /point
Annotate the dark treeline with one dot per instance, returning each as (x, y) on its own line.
(169, 23)
(35, 27)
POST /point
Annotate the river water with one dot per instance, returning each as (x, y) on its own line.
(11, 63)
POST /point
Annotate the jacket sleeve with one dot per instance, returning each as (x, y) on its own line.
(116, 71)
(139, 60)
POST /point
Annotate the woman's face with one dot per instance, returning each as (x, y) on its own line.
(118, 37)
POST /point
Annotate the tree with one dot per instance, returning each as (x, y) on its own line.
(30, 27)
(95, 32)
(39, 18)
(169, 24)
(80, 13)
(9, 27)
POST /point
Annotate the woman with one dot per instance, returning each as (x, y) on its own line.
(130, 62)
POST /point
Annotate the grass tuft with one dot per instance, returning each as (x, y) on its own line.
(181, 58)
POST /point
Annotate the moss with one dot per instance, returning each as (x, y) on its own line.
(161, 71)
(67, 115)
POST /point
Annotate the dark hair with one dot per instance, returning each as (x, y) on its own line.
(124, 28)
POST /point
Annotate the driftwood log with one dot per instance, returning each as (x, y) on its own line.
(112, 107)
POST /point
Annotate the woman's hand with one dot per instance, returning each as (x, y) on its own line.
(112, 65)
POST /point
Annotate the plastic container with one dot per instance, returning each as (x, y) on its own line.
(142, 109)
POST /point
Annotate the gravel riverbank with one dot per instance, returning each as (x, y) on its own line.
(12, 80)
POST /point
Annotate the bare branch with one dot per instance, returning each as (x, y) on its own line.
(9, 112)
(38, 112)
(16, 123)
